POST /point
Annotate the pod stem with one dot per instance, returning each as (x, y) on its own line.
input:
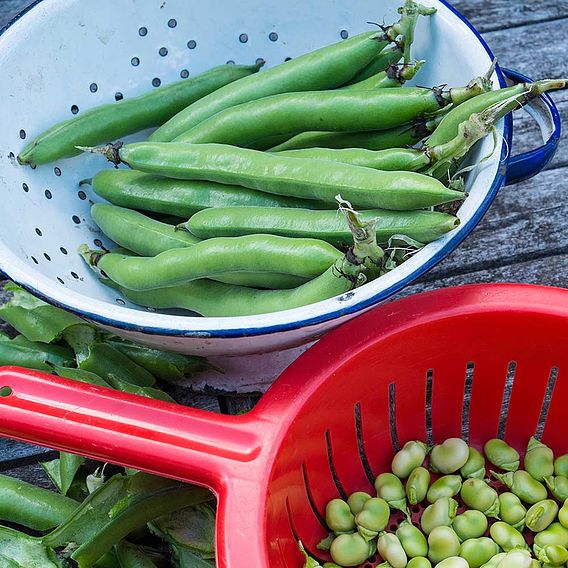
(364, 236)
(91, 257)
(110, 151)
(405, 28)
(404, 72)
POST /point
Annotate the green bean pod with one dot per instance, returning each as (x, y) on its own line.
(216, 299)
(478, 551)
(329, 226)
(558, 486)
(507, 537)
(380, 63)
(449, 456)
(373, 518)
(474, 467)
(563, 514)
(116, 120)
(541, 515)
(478, 495)
(138, 233)
(306, 258)
(393, 76)
(325, 68)
(409, 458)
(400, 137)
(417, 485)
(31, 506)
(523, 486)
(390, 488)
(395, 159)
(350, 549)
(561, 465)
(539, 460)
(443, 543)
(136, 190)
(445, 486)
(293, 177)
(553, 554)
(449, 125)
(470, 524)
(501, 455)
(419, 562)
(357, 500)
(555, 534)
(391, 550)
(512, 511)
(412, 540)
(338, 111)
(440, 513)
(338, 517)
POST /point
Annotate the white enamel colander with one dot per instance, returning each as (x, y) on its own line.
(64, 56)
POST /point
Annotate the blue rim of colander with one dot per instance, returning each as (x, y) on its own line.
(452, 243)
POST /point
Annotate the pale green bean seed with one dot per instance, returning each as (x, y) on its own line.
(474, 467)
(494, 562)
(445, 486)
(476, 494)
(419, 562)
(554, 534)
(558, 487)
(506, 536)
(389, 487)
(470, 524)
(516, 559)
(338, 517)
(539, 460)
(512, 511)
(500, 454)
(450, 456)
(357, 500)
(523, 485)
(563, 515)
(478, 551)
(541, 515)
(409, 458)
(391, 550)
(443, 542)
(553, 554)
(373, 518)
(417, 485)
(412, 540)
(453, 562)
(440, 513)
(561, 465)
(350, 550)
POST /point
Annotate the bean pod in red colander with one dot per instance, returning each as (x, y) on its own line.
(475, 362)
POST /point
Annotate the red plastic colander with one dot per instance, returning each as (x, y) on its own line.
(476, 362)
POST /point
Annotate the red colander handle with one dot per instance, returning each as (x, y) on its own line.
(158, 437)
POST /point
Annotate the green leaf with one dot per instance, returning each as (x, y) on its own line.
(25, 551)
(91, 515)
(40, 356)
(164, 365)
(131, 556)
(192, 528)
(141, 510)
(69, 465)
(34, 318)
(148, 392)
(310, 562)
(80, 375)
(184, 558)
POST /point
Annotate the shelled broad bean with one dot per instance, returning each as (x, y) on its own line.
(493, 529)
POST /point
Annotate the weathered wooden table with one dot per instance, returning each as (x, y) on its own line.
(521, 239)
